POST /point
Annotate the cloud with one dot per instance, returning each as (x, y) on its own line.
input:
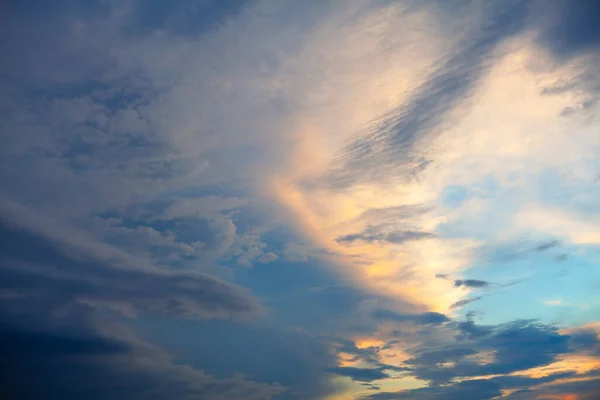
(182, 17)
(471, 283)
(476, 389)
(395, 137)
(205, 205)
(388, 225)
(47, 276)
(584, 386)
(428, 318)
(394, 237)
(462, 303)
(37, 266)
(586, 340)
(58, 365)
(261, 352)
(546, 246)
(515, 250)
(470, 330)
(154, 149)
(571, 38)
(569, 31)
(516, 346)
(497, 353)
(360, 374)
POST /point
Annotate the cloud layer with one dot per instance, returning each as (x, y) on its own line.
(334, 200)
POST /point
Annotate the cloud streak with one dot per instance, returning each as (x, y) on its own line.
(33, 265)
(471, 283)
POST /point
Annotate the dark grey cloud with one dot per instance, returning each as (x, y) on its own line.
(562, 257)
(50, 25)
(516, 346)
(342, 345)
(450, 354)
(58, 276)
(186, 231)
(569, 29)
(40, 363)
(469, 330)
(34, 265)
(182, 17)
(262, 352)
(546, 246)
(569, 32)
(371, 386)
(522, 345)
(370, 355)
(508, 251)
(507, 348)
(428, 318)
(586, 340)
(462, 303)
(360, 374)
(471, 283)
(179, 309)
(476, 389)
(93, 116)
(15, 343)
(586, 387)
(394, 237)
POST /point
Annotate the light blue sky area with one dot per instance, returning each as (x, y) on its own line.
(533, 275)
(539, 287)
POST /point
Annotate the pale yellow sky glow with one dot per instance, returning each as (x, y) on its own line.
(475, 145)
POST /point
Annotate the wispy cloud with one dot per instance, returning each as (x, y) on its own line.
(462, 303)
(471, 283)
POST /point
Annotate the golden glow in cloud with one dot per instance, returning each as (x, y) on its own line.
(511, 129)
(508, 130)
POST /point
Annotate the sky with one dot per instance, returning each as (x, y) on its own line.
(300, 200)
